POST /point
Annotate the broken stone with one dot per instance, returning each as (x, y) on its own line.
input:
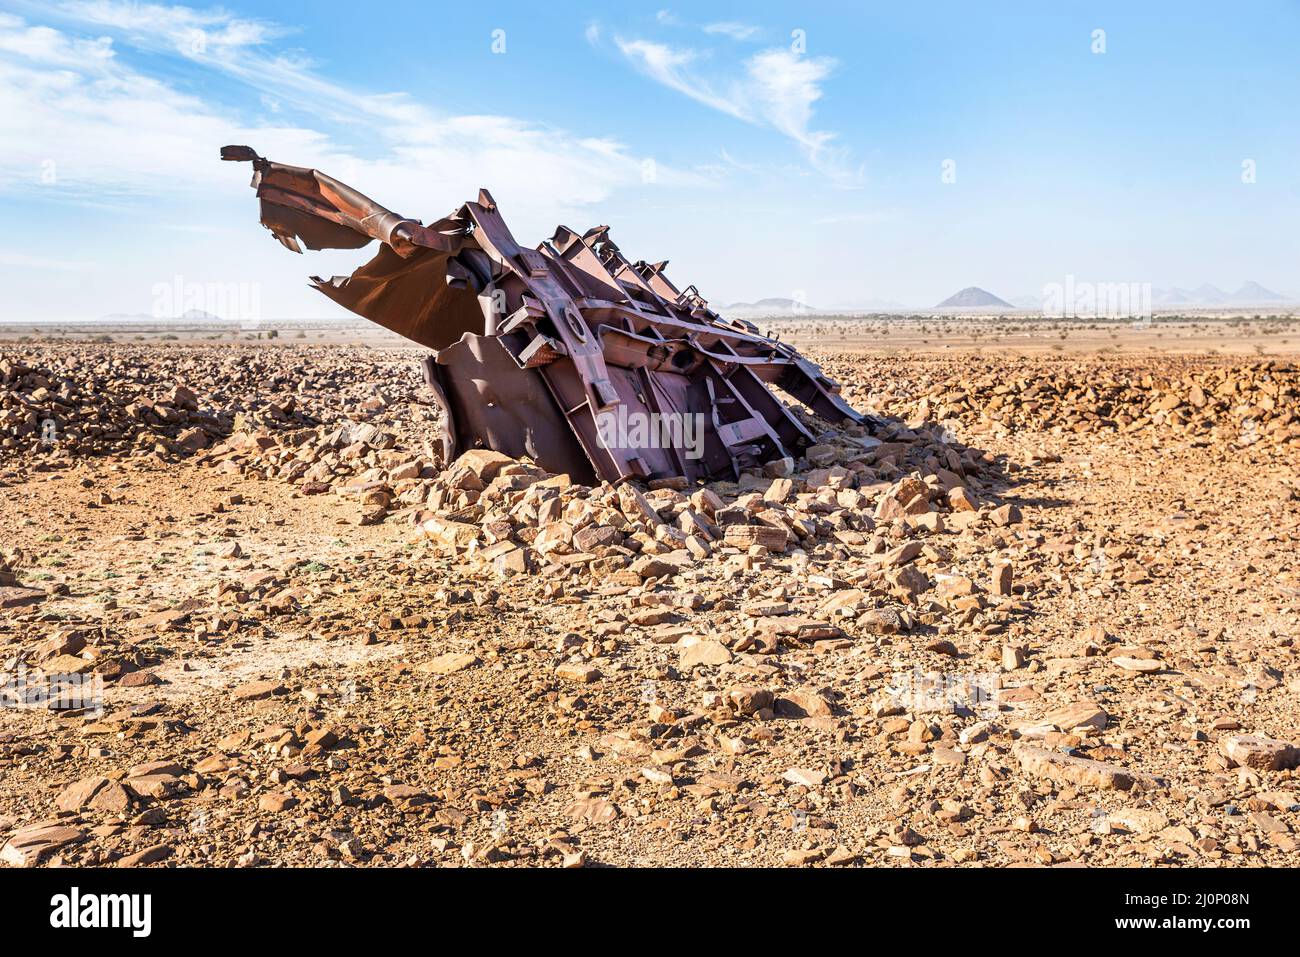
(1074, 716)
(449, 663)
(706, 652)
(802, 704)
(581, 674)
(98, 793)
(1264, 754)
(1066, 769)
(28, 846)
(1139, 820)
(808, 777)
(150, 855)
(257, 690)
(1000, 584)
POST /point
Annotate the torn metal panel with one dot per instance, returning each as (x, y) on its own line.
(496, 404)
(568, 353)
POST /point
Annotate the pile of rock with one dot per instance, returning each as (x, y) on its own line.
(55, 411)
(850, 491)
(73, 400)
(360, 461)
(1237, 404)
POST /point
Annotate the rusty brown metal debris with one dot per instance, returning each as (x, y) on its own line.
(588, 363)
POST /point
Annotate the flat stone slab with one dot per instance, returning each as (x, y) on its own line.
(14, 596)
(257, 690)
(29, 846)
(706, 652)
(449, 663)
(1083, 714)
(1139, 820)
(1065, 769)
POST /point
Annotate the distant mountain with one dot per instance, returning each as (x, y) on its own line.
(973, 297)
(1251, 291)
(1170, 297)
(1208, 292)
(1250, 294)
(767, 307)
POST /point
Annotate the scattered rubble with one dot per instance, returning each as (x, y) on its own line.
(1235, 404)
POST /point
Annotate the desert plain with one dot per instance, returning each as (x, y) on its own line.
(1043, 611)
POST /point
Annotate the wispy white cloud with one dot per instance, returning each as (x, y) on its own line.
(774, 87)
(75, 120)
(733, 29)
(185, 29)
(82, 115)
(672, 67)
(44, 45)
(786, 85)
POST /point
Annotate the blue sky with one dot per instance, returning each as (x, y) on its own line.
(766, 149)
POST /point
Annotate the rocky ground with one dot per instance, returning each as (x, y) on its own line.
(1044, 612)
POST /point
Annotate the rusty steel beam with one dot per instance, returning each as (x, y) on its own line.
(569, 353)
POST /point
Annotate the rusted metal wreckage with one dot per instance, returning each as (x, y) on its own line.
(568, 353)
